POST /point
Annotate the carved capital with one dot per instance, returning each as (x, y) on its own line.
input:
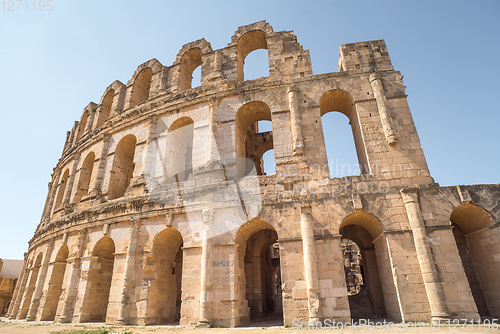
(208, 215)
(153, 118)
(106, 138)
(82, 233)
(374, 76)
(168, 219)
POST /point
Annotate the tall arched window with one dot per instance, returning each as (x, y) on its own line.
(30, 288)
(84, 179)
(55, 284)
(100, 274)
(341, 161)
(251, 143)
(471, 229)
(250, 41)
(190, 61)
(82, 125)
(63, 183)
(123, 167)
(107, 102)
(142, 85)
(260, 269)
(369, 287)
(164, 269)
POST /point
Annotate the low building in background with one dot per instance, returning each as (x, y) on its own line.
(9, 274)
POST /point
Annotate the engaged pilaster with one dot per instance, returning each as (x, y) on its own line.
(439, 309)
(69, 186)
(73, 278)
(293, 103)
(383, 109)
(206, 268)
(128, 275)
(310, 266)
(96, 189)
(40, 281)
(213, 154)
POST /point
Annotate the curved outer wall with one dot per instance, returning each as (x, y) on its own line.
(153, 179)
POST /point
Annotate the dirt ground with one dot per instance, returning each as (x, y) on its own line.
(23, 327)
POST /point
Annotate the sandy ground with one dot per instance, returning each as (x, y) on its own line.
(23, 327)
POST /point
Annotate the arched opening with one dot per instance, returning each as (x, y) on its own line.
(30, 288)
(84, 179)
(478, 247)
(268, 161)
(180, 150)
(55, 284)
(260, 256)
(63, 183)
(123, 167)
(256, 64)
(105, 111)
(164, 269)
(265, 152)
(250, 41)
(363, 277)
(250, 143)
(100, 274)
(343, 102)
(340, 147)
(189, 62)
(142, 85)
(82, 125)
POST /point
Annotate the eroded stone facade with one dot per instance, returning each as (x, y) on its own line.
(158, 212)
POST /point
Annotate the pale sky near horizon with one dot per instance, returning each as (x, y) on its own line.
(53, 63)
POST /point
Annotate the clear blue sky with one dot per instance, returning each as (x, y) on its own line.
(54, 63)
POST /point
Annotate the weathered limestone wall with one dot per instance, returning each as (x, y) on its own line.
(157, 211)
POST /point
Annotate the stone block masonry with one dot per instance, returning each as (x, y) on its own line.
(159, 211)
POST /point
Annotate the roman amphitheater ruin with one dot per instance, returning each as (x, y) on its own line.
(159, 212)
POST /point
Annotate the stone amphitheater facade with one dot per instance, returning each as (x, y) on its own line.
(158, 210)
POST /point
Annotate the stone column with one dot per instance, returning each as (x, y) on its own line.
(40, 281)
(293, 103)
(310, 266)
(439, 309)
(213, 153)
(96, 188)
(206, 268)
(71, 180)
(218, 63)
(19, 291)
(153, 120)
(22, 302)
(151, 147)
(52, 195)
(128, 275)
(383, 109)
(73, 278)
